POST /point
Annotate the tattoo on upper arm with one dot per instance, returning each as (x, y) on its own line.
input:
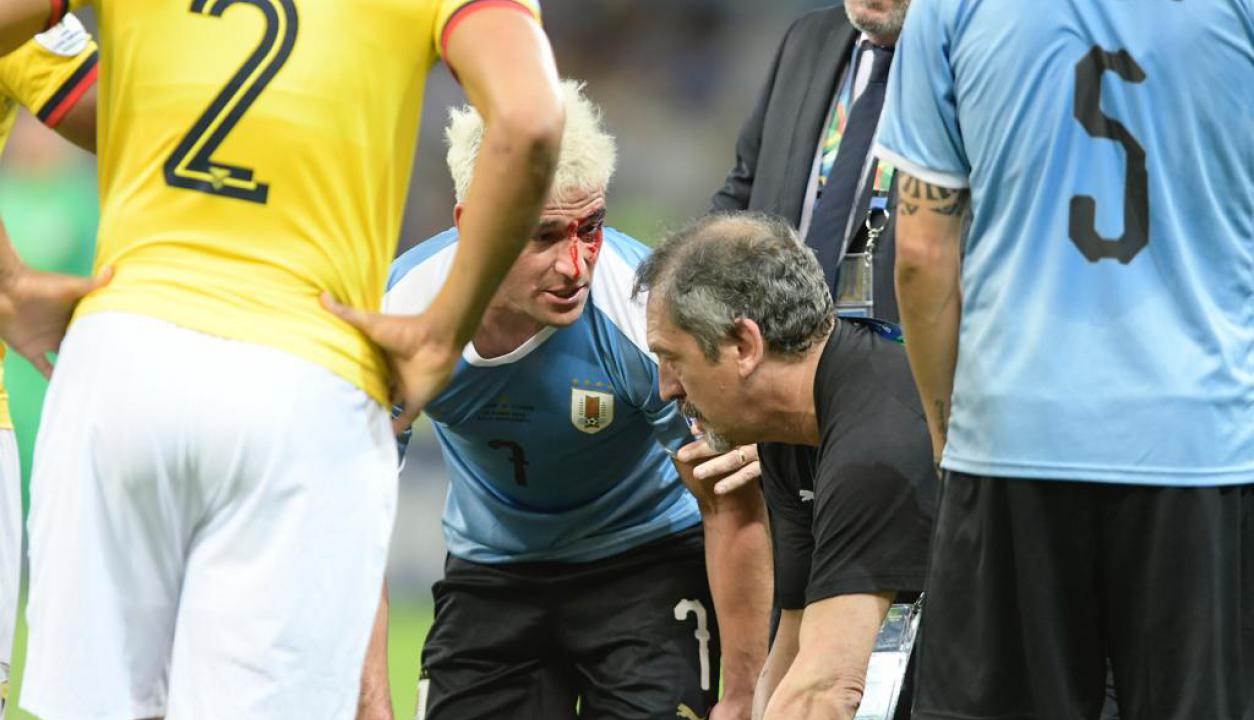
(908, 192)
(915, 194)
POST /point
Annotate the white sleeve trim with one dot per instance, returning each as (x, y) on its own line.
(416, 290)
(927, 175)
(611, 293)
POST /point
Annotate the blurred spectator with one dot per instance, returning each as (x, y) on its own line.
(48, 199)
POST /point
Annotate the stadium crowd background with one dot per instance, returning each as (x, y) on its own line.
(675, 79)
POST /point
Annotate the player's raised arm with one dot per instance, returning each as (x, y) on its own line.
(506, 66)
(504, 61)
(20, 20)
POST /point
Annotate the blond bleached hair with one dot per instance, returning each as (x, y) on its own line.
(589, 154)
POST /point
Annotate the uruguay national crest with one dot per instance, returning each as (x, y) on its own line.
(591, 411)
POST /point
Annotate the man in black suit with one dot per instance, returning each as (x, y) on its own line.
(807, 143)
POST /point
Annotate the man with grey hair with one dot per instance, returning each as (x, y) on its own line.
(577, 567)
(748, 341)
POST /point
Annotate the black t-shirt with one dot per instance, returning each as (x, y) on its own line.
(855, 514)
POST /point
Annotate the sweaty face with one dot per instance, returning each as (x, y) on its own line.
(549, 282)
(707, 391)
(881, 19)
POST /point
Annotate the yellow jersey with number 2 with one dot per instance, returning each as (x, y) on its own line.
(255, 153)
(47, 76)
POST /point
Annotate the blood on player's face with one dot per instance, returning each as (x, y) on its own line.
(550, 281)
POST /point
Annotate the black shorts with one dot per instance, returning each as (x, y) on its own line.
(630, 636)
(1033, 584)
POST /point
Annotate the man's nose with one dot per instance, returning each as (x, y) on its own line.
(669, 387)
(571, 261)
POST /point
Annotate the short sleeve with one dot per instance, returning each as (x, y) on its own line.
(919, 131)
(874, 501)
(417, 276)
(640, 371)
(670, 427)
(451, 12)
(791, 511)
(51, 72)
(622, 326)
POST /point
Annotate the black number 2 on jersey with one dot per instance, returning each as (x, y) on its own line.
(191, 165)
(1082, 226)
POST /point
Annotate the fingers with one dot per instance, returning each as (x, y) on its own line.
(100, 280)
(359, 319)
(721, 465)
(407, 408)
(695, 451)
(78, 287)
(404, 419)
(742, 477)
(416, 397)
(41, 363)
(726, 463)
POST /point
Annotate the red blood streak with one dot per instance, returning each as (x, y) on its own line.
(593, 248)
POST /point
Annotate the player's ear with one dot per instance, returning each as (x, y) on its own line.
(458, 209)
(750, 346)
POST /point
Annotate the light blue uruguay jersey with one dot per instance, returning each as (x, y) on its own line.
(555, 450)
(1107, 328)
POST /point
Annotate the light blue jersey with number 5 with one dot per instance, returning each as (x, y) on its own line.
(1107, 326)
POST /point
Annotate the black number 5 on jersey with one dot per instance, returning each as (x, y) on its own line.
(191, 165)
(1082, 226)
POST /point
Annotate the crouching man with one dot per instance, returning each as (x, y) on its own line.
(576, 581)
(747, 340)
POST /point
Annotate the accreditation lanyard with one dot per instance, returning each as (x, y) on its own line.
(840, 116)
(855, 282)
(881, 173)
(855, 276)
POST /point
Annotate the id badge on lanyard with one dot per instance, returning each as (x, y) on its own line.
(886, 673)
(855, 283)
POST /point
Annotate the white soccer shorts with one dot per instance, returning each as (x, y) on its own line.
(10, 553)
(208, 530)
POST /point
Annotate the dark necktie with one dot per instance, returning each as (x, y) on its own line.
(831, 214)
